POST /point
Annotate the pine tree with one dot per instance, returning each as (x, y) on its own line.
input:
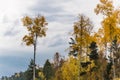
(94, 54)
(48, 70)
(29, 72)
(94, 57)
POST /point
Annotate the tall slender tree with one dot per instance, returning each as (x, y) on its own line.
(36, 28)
(81, 33)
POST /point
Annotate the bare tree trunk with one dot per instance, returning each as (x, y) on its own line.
(112, 55)
(79, 66)
(34, 64)
(114, 73)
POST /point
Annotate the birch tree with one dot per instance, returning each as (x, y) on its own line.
(36, 28)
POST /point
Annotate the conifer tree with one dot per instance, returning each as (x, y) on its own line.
(94, 54)
(94, 57)
(48, 70)
(29, 72)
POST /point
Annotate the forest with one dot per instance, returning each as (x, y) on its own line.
(92, 55)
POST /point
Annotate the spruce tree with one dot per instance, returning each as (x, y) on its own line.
(94, 54)
(29, 72)
(48, 70)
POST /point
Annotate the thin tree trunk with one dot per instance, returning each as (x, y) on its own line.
(34, 62)
(34, 65)
(80, 53)
(112, 54)
(114, 73)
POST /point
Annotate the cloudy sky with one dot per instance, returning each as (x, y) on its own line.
(60, 15)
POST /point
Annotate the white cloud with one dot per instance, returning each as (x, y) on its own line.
(12, 10)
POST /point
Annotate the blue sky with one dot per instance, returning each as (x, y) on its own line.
(60, 15)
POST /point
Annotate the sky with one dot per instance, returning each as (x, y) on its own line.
(60, 15)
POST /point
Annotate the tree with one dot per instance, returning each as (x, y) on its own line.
(94, 54)
(56, 60)
(48, 70)
(108, 73)
(82, 32)
(116, 52)
(94, 57)
(29, 72)
(36, 28)
(110, 25)
(58, 75)
(82, 38)
(69, 70)
(89, 65)
(41, 76)
(58, 63)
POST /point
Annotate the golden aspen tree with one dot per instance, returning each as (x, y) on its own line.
(70, 69)
(82, 37)
(110, 24)
(36, 28)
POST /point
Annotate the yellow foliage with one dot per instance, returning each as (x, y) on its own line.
(90, 66)
(110, 23)
(111, 26)
(105, 7)
(82, 33)
(41, 75)
(70, 69)
(36, 28)
(27, 21)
